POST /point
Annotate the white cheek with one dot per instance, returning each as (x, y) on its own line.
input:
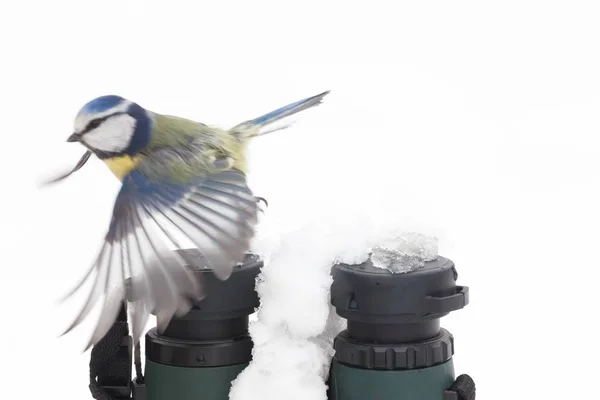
(113, 135)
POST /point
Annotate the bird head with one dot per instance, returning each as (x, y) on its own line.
(111, 126)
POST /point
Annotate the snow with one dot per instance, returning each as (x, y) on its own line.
(295, 325)
(404, 253)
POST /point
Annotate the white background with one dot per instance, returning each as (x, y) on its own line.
(472, 121)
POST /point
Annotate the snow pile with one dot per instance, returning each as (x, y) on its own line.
(296, 325)
(405, 252)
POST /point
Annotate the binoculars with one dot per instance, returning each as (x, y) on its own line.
(393, 347)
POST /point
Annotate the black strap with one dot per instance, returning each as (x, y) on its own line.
(463, 388)
(110, 363)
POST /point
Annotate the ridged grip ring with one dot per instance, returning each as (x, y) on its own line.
(434, 351)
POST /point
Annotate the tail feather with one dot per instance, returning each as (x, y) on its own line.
(281, 113)
(288, 110)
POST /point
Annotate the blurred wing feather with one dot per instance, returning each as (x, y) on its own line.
(216, 212)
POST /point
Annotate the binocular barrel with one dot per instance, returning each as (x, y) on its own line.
(393, 347)
(201, 353)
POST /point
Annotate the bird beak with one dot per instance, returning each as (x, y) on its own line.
(74, 137)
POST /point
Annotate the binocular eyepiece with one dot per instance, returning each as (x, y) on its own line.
(201, 353)
(393, 346)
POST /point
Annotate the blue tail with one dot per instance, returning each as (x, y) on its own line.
(288, 110)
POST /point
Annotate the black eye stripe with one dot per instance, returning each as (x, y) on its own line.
(93, 124)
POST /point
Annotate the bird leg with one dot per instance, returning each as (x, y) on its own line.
(86, 156)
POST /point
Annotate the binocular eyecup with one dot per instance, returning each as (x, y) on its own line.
(200, 354)
(393, 346)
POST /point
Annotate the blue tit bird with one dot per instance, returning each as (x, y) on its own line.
(177, 175)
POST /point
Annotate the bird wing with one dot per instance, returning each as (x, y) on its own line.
(215, 210)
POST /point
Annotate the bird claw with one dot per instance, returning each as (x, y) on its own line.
(258, 200)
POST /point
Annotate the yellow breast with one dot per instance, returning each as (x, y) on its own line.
(121, 166)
